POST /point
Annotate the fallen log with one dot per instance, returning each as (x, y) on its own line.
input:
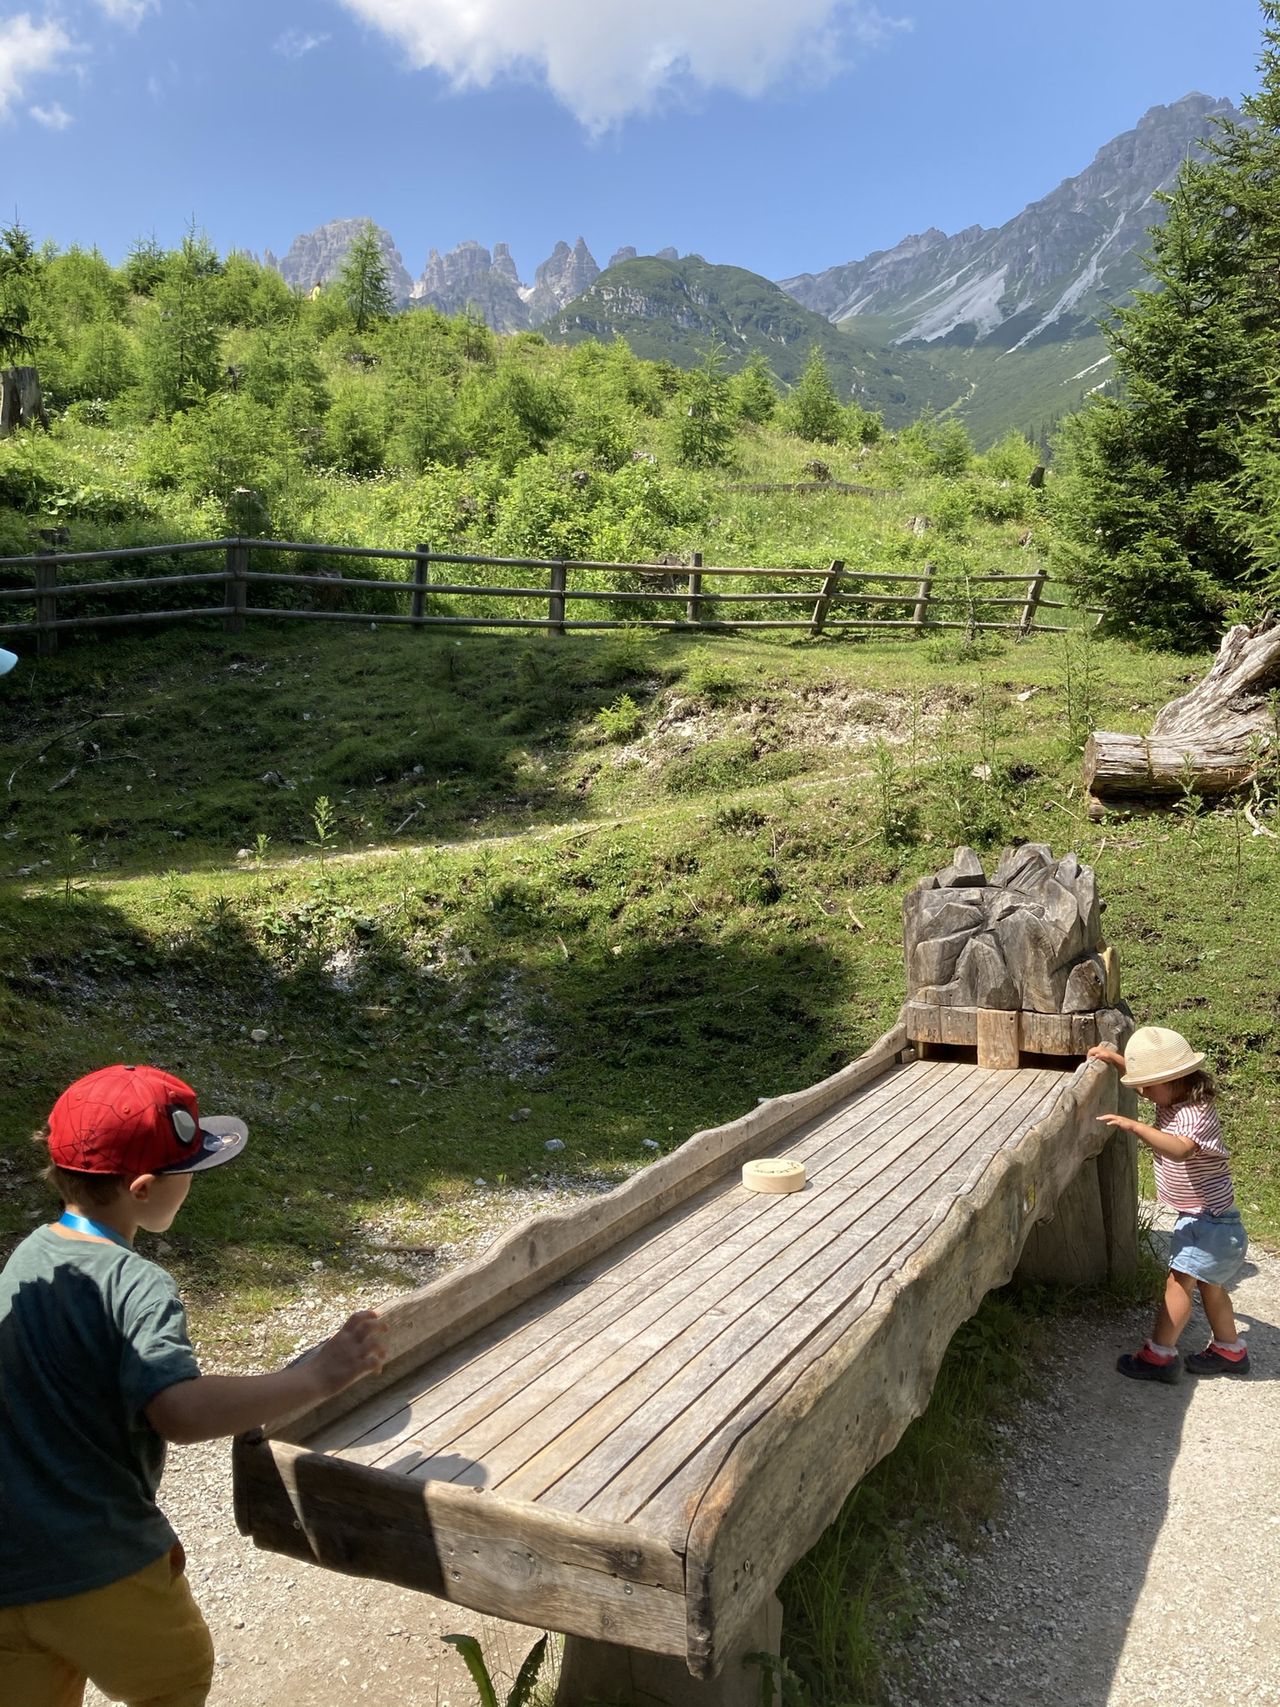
(1210, 740)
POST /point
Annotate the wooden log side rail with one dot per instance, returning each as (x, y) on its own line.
(627, 1420)
(841, 602)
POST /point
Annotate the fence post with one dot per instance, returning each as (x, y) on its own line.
(418, 598)
(237, 585)
(1027, 621)
(555, 600)
(693, 609)
(830, 587)
(46, 607)
(921, 613)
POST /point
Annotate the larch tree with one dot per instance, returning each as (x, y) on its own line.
(364, 279)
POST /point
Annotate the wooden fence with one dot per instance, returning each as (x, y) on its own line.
(705, 598)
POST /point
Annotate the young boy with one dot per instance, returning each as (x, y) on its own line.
(96, 1374)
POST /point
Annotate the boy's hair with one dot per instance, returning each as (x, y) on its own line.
(98, 1189)
(1196, 1087)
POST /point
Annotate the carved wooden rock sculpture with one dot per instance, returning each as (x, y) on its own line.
(1011, 966)
(1210, 739)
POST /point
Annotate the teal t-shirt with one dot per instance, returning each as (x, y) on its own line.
(89, 1334)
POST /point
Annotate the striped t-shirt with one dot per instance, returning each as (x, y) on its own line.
(1203, 1181)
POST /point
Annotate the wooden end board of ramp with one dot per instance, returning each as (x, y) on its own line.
(626, 1421)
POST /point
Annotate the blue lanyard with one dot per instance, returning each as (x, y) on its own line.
(82, 1224)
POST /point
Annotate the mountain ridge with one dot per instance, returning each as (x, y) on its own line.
(997, 324)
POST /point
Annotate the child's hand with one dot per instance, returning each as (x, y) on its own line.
(358, 1348)
(1121, 1122)
(1104, 1052)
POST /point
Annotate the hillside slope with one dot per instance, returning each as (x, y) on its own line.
(677, 308)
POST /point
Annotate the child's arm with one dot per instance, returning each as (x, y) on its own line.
(212, 1406)
(1171, 1144)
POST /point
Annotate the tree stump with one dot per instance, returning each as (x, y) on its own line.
(21, 403)
(1210, 740)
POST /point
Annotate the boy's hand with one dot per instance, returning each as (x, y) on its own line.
(358, 1348)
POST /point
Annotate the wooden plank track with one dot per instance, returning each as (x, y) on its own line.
(615, 1394)
(650, 1272)
(369, 1432)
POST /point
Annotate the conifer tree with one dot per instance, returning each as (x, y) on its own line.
(1160, 497)
(20, 270)
(181, 344)
(364, 279)
(755, 391)
(813, 409)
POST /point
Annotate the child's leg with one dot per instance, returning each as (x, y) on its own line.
(30, 1674)
(1217, 1307)
(1175, 1310)
(1157, 1360)
(141, 1640)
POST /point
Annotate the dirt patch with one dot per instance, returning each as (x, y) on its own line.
(819, 717)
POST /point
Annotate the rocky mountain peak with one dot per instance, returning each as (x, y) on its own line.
(1046, 272)
(565, 273)
(626, 253)
(317, 256)
(469, 277)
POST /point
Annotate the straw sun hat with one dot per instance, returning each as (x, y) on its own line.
(1154, 1055)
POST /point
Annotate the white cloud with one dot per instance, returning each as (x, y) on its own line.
(293, 44)
(28, 50)
(130, 12)
(606, 59)
(55, 117)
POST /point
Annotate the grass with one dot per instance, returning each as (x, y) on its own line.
(607, 934)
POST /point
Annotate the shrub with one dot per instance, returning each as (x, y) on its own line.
(710, 678)
(621, 721)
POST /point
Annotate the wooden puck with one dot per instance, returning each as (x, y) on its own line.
(768, 1174)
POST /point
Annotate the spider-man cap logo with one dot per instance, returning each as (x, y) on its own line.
(138, 1120)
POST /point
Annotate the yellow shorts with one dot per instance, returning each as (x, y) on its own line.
(141, 1640)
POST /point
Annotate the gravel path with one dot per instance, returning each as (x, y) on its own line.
(1139, 1541)
(1137, 1557)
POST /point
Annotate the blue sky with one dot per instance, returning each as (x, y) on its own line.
(780, 137)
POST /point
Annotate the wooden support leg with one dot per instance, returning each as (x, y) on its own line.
(1118, 1180)
(998, 1034)
(629, 1677)
(1071, 1249)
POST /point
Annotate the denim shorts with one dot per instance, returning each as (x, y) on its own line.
(1209, 1247)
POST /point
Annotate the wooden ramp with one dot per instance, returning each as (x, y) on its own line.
(627, 1421)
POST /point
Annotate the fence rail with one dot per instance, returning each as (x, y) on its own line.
(821, 600)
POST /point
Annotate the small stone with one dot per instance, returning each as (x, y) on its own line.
(393, 1081)
(317, 1264)
(479, 1182)
(554, 1144)
(520, 1114)
(244, 853)
(258, 1035)
(651, 1144)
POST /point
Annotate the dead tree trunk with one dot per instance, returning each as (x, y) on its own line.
(21, 404)
(1209, 740)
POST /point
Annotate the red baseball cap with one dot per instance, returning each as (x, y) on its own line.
(138, 1120)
